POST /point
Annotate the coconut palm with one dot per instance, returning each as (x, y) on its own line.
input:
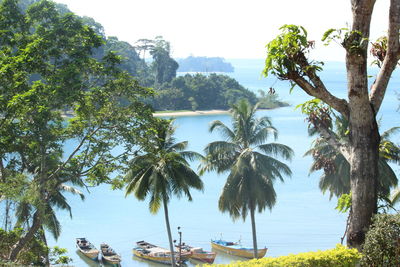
(336, 170)
(163, 171)
(250, 161)
(37, 213)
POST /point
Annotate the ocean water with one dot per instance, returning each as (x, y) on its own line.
(303, 219)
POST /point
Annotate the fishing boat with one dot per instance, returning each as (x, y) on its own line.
(87, 248)
(109, 255)
(154, 253)
(236, 249)
(197, 253)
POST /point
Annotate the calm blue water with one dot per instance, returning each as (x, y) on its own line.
(303, 219)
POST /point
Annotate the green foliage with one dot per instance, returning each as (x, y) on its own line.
(48, 67)
(336, 169)
(163, 169)
(344, 203)
(164, 67)
(352, 41)
(338, 257)
(33, 253)
(287, 54)
(382, 242)
(200, 92)
(249, 160)
(270, 101)
(57, 256)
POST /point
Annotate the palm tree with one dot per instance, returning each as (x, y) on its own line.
(40, 213)
(250, 161)
(163, 171)
(336, 170)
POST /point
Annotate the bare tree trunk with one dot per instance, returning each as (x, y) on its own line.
(364, 135)
(171, 246)
(253, 230)
(364, 173)
(16, 249)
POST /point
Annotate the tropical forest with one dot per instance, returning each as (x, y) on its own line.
(277, 145)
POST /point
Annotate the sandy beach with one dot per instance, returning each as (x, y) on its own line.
(190, 113)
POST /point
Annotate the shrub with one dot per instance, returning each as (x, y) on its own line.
(382, 242)
(338, 257)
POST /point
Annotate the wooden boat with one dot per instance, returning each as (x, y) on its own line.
(198, 253)
(154, 253)
(109, 255)
(237, 249)
(87, 248)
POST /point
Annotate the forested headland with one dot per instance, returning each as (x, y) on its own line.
(190, 92)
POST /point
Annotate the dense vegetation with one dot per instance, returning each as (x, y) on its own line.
(382, 243)
(49, 65)
(204, 64)
(201, 92)
(190, 92)
(338, 257)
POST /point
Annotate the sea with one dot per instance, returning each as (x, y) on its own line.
(303, 219)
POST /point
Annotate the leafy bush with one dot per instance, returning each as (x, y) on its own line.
(338, 257)
(382, 242)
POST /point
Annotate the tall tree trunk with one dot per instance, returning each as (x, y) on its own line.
(364, 135)
(171, 245)
(364, 173)
(16, 249)
(253, 230)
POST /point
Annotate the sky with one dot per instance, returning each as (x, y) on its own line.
(224, 28)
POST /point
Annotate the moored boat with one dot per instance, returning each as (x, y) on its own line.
(109, 255)
(197, 253)
(87, 248)
(236, 249)
(154, 253)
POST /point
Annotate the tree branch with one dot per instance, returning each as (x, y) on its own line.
(378, 89)
(330, 137)
(61, 167)
(318, 90)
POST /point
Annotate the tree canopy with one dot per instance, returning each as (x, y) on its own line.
(47, 68)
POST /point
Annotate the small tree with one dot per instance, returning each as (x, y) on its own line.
(382, 242)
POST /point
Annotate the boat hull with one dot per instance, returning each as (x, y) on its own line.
(244, 253)
(93, 255)
(204, 257)
(112, 261)
(163, 260)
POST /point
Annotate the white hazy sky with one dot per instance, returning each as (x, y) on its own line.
(226, 28)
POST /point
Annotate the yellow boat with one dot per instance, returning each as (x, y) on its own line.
(154, 253)
(236, 249)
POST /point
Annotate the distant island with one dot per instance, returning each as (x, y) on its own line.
(204, 64)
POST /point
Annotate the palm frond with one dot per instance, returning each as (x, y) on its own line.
(177, 146)
(261, 135)
(191, 155)
(52, 224)
(276, 149)
(72, 190)
(389, 133)
(224, 130)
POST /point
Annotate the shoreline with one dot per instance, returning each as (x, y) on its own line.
(199, 112)
(191, 113)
